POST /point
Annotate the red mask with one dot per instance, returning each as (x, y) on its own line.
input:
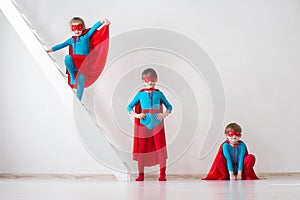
(148, 79)
(234, 133)
(78, 27)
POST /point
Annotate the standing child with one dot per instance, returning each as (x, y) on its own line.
(232, 161)
(80, 47)
(149, 145)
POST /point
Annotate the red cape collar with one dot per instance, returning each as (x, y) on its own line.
(77, 38)
(149, 90)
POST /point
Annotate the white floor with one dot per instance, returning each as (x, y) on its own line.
(73, 189)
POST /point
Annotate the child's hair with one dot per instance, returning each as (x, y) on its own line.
(77, 20)
(233, 127)
(149, 72)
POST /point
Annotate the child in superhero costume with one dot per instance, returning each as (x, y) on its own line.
(79, 48)
(232, 161)
(149, 145)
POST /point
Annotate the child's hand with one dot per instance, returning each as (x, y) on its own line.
(232, 177)
(49, 50)
(136, 115)
(140, 116)
(160, 116)
(105, 21)
(239, 175)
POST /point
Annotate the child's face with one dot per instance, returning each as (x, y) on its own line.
(150, 81)
(76, 28)
(233, 137)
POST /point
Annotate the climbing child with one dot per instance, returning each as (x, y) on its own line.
(80, 48)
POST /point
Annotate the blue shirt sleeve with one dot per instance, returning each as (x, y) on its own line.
(62, 45)
(133, 102)
(166, 102)
(94, 28)
(226, 153)
(241, 155)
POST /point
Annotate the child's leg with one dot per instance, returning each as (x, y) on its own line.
(141, 171)
(248, 171)
(163, 168)
(80, 86)
(70, 67)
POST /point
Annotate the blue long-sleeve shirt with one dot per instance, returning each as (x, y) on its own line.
(150, 100)
(234, 156)
(81, 44)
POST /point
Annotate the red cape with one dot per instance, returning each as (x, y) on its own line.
(215, 173)
(92, 65)
(149, 146)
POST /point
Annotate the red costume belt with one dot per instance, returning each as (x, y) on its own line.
(151, 111)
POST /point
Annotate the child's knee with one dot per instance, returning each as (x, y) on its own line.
(68, 59)
(249, 159)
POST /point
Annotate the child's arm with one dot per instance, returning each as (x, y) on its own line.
(161, 116)
(94, 28)
(131, 105)
(227, 156)
(60, 46)
(241, 157)
(239, 175)
(169, 107)
(136, 115)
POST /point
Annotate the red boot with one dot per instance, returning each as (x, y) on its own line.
(162, 176)
(140, 177)
(141, 171)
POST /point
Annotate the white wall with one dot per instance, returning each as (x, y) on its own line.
(254, 45)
